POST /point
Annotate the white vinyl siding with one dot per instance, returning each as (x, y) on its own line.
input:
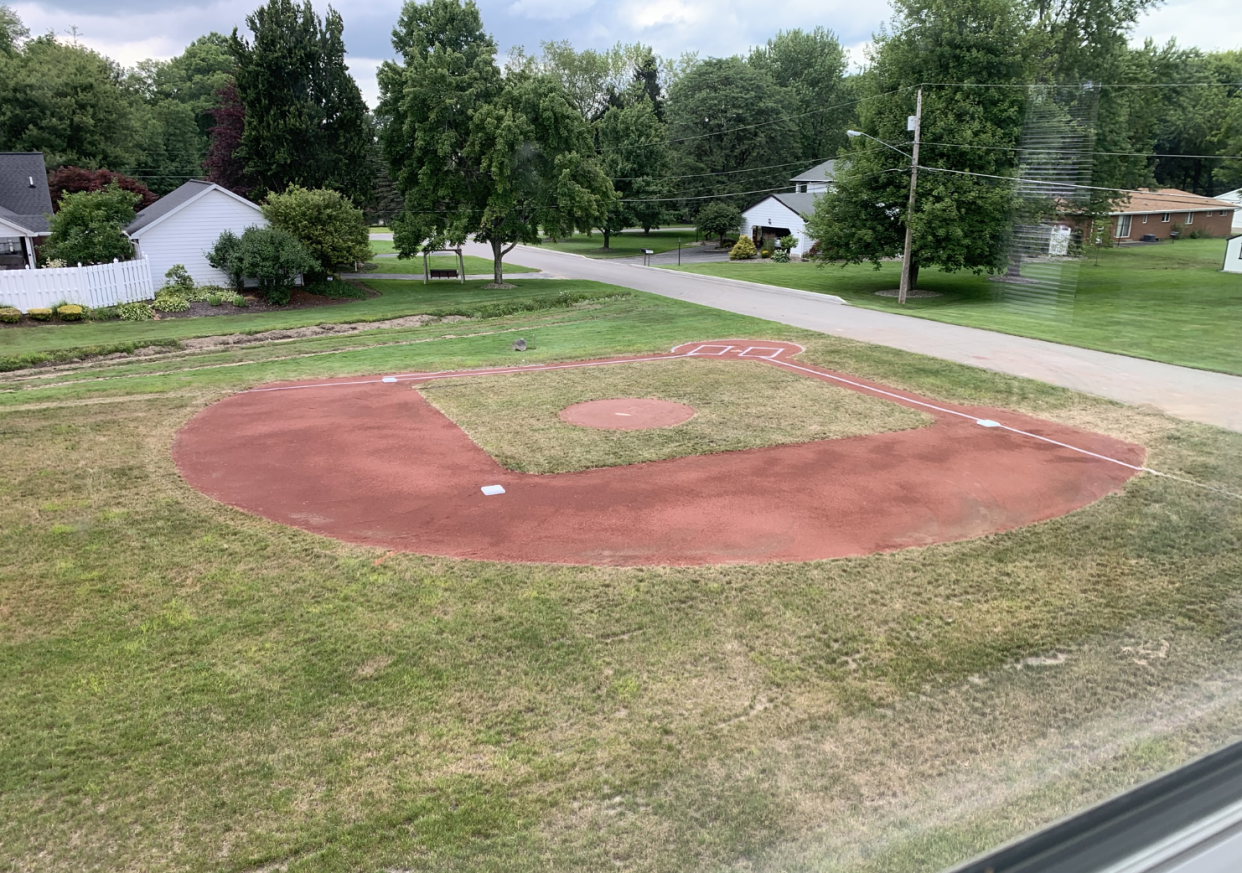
(773, 213)
(185, 236)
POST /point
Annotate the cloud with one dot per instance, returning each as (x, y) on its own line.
(130, 30)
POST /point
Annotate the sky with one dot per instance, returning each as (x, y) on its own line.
(131, 30)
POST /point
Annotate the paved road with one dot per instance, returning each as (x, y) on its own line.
(1198, 395)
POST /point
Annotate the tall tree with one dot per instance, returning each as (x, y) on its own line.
(960, 221)
(12, 30)
(477, 153)
(635, 155)
(68, 102)
(306, 122)
(811, 66)
(729, 125)
(224, 163)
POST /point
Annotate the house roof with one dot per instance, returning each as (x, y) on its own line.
(1168, 200)
(174, 202)
(24, 197)
(803, 204)
(818, 173)
(1234, 196)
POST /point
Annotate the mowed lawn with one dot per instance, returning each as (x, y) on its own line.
(627, 244)
(414, 266)
(1168, 302)
(395, 298)
(190, 688)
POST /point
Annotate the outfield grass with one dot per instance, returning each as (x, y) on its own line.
(191, 688)
(515, 418)
(1167, 302)
(474, 266)
(626, 244)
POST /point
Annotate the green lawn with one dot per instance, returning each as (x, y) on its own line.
(474, 266)
(190, 688)
(397, 298)
(626, 244)
(1167, 302)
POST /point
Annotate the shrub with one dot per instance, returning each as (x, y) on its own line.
(215, 299)
(333, 230)
(102, 313)
(10, 315)
(239, 301)
(55, 264)
(70, 180)
(69, 312)
(743, 250)
(765, 253)
(170, 302)
(179, 279)
(225, 255)
(781, 256)
(273, 256)
(39, 314)
(718, 219)
(813, 251)
(88, 227)
(788, 242)
(135, 312)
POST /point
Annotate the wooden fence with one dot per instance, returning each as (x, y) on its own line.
(100, 285)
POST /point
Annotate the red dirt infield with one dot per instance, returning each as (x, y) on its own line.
(627, 414)
(373, 463)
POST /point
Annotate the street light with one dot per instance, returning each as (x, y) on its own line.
(854, 133)
(915, 124)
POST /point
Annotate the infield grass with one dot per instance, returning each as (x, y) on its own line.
(1167, 302)
(187, 687)
(738, 405)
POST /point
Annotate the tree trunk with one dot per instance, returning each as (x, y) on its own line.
(914, 273)
(498, 256)
(607, 236)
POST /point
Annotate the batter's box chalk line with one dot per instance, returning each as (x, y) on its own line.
(492, 490)
(701, 350)
(774, 352)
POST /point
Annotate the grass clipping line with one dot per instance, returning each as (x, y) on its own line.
(739, 405)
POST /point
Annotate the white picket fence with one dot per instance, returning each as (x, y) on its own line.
(100, 285)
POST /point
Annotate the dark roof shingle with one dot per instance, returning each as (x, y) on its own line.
(24, 196)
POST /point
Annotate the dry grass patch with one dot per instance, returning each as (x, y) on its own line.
(739, 405)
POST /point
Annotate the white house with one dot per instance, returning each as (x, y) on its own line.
(1234, 197)
(1233, 255)
(181, 227)
(815, 180)
(779, 215)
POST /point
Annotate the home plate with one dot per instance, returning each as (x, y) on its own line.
(490, 490)
(389, 379)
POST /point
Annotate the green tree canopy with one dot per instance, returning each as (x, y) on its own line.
(811, 66)
(729, 124)
(305, 120)
(718, 219)
(477, 153)
(88, 228)
(68, 102)
(332, 229)
(960, 221)
(12, 31)
(635, 155)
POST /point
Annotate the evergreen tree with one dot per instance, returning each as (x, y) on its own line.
(306, 123)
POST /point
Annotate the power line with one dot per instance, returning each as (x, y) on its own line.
(815, 161)
(956, 145)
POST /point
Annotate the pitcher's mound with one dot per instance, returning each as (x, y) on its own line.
(627, 414)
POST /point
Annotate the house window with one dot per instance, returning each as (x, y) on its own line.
(1144, 219)
(1190, 218)
(1164, 216)
(1123, 226)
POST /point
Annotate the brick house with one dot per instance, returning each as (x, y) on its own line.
(1158, 213)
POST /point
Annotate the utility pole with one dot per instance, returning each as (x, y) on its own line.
(915, 123)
